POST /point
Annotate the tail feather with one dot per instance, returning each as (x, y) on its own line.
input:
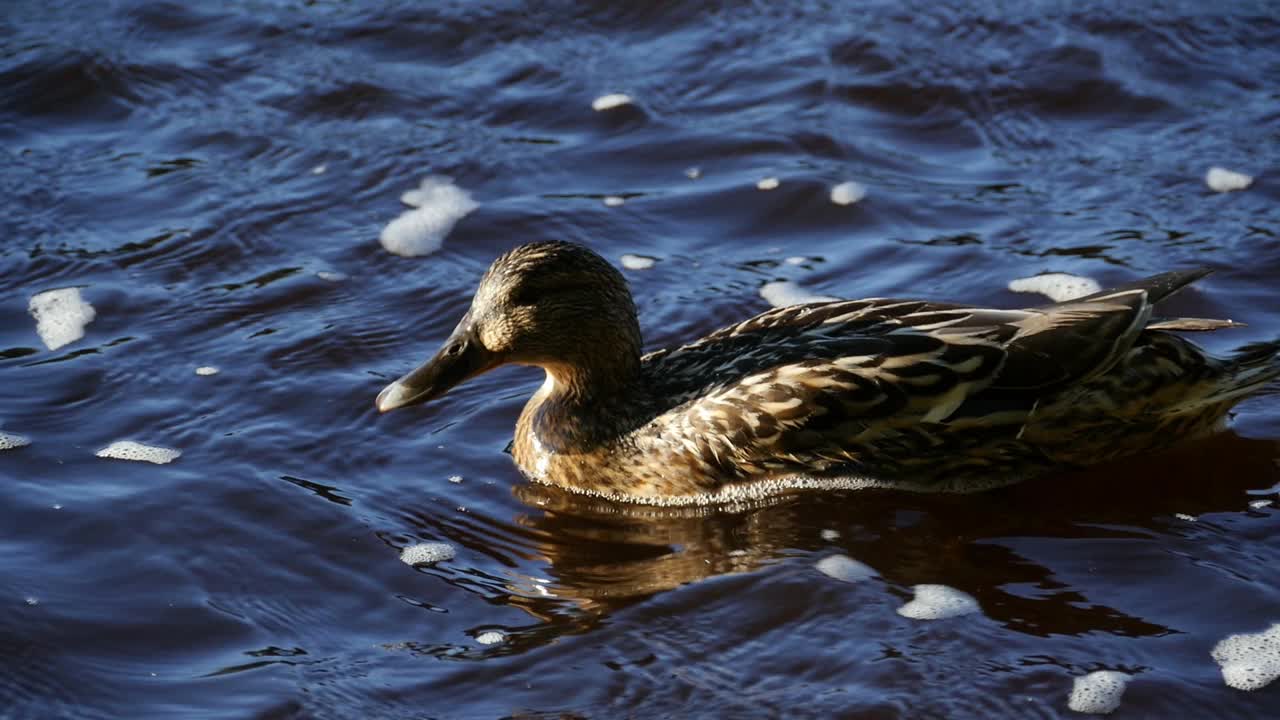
(1158, 287)
(1192, 324)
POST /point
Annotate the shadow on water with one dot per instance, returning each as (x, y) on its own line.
(602, 556)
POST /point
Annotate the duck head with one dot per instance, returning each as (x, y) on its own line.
(556, 305)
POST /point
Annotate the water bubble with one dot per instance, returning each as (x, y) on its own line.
(637, 262)
(427, 553)
(1249, 661)
(61, 316)
(938, 602)
(1223, 180)
(438, 205)
(490, 637)
(131, 450)
(9, 441)
(848, 193)
(1098, 692)
(845, 568)
(610, 101)
(781, 293)
(1058, 287)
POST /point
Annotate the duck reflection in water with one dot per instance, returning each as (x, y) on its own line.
(603, 556)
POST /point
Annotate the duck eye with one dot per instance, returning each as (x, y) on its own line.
(528, 295)
(532, 294)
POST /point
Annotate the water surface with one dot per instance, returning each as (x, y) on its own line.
(214, 180)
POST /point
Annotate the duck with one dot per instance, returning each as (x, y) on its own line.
(878, 392)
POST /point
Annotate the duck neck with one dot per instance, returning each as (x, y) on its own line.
(583, 405)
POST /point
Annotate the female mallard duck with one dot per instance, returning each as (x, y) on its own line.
(887, 393)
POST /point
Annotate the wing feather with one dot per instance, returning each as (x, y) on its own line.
(823, 385)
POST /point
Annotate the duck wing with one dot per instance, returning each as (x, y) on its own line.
(812, 387)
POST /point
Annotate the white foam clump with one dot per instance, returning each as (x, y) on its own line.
(427, 553)
(331, 276)
(848, 193)
(438, 205)
(1097, 693)
(614, 200)
(845, 568)
(781, 293)
(60, 316)
(1223, 180)
(136, 451)
(490, 637)
(207, 370)
(693, 173)
(1259, 504)
(1250, 661)
(768, 183)
(938, 602)
(610, 101)
(9, 441)
(1058, 287)
(637, 262)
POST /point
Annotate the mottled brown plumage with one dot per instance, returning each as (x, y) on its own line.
(877, 392)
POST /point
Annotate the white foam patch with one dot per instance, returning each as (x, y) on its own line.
(768, 183)
(136, 451)
(938, 602)
(9, 441)
(610, 101)
(490, 637)
(781, 293)
(207, 370)
(845, 568)
(427, 553)
(1250, 661)
(693, 173)
(438, 206)
(1224, 180)
(1259, 504)
(319, 169)
(637, 262)
(455, 479)
(796, 260)
(60, 316)
(1058, 287)
(331, 276)
(1098, 692)
(848, 193)
(614, 201)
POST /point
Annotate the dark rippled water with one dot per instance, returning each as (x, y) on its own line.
(193, 168)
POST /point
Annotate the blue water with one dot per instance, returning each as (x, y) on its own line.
(193, 167)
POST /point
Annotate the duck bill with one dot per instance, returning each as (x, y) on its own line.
(462, 357)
